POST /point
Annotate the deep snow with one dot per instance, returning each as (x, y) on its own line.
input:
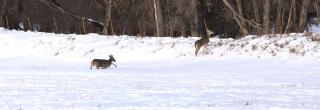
(42, 71)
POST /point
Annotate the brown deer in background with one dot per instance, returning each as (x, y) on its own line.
(203, 41)
(103, 63)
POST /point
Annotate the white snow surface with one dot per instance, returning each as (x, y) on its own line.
(43, 71)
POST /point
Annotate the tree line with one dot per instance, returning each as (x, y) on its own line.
(227, 18)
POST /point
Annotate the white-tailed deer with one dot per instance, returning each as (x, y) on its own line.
(103, 63)
(203, 41)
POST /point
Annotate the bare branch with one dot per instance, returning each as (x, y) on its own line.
(58, 8)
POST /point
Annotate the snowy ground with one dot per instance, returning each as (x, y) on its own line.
(41, 71)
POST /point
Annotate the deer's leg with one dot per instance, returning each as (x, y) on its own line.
(205, 48)
(197, 49)
(91, 66)
(196, 52)
(97, 66)
(114, 65)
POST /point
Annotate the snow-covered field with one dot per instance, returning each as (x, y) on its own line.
(41, 71)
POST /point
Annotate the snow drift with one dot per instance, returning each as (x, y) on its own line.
(137, 48)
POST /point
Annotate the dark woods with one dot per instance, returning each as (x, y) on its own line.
(227, 18)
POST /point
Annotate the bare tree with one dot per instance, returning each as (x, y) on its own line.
(238, 18)
(317, 6)
(256, 15)
(242, 23)
(106, 6)
(292, 17)
(303, 15)
(2, 11)
(266, 16)
(193, 13)
(279, 16)
(164, 17)
(158, 18)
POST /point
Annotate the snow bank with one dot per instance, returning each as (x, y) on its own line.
(283, 46)
(131, 48)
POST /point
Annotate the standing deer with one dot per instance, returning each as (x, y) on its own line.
(103, 62)
(203, 41)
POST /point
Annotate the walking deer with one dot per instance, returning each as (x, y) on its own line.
(203, 41)
(103, 63)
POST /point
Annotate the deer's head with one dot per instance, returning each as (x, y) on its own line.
(111, 58)
(208, 31)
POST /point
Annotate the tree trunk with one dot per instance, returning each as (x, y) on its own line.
(256, 15)
(303, 15)
(1, 14)
(294, 22)
(2, 10)
(236, 17)
(170, 26)
(316, 5)
(194, 17)
(158, 18)
(278, 26)
(108, 9)
(242, 24)
(291, 16)
(266, 16)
